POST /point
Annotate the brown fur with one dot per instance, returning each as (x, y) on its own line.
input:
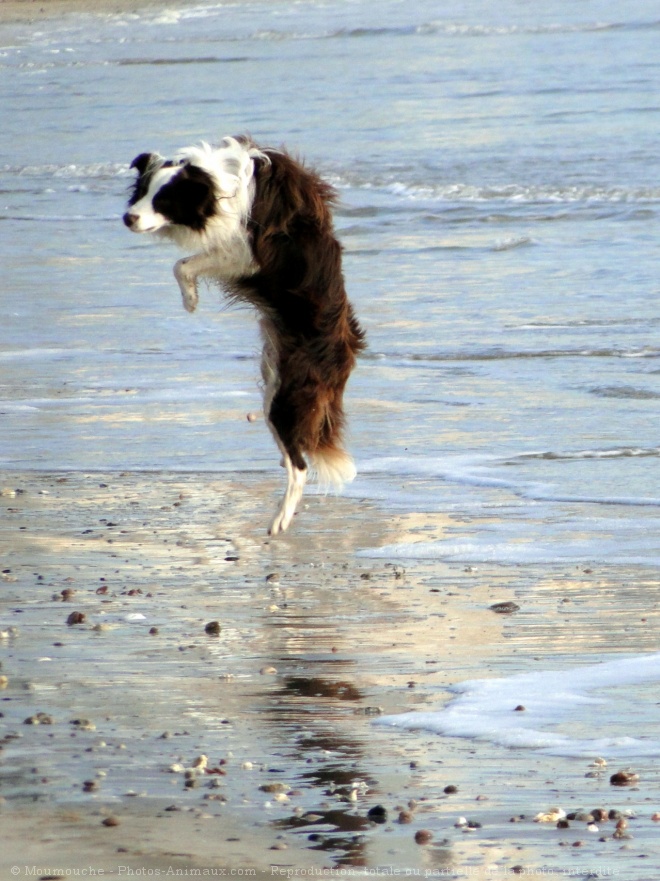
(299, 289)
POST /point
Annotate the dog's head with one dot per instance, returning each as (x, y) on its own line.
(188, 191)
(170, 192)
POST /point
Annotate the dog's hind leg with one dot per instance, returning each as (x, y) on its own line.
(282, 421)
(296, 478)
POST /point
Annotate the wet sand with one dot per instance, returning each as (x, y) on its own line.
(313, 643)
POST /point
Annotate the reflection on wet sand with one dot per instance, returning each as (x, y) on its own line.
(280, 697)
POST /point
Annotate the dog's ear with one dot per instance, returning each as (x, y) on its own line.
(142, 162)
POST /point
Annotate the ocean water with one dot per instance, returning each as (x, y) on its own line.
(498, 170)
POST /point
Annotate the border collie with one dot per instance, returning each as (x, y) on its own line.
(260, 224)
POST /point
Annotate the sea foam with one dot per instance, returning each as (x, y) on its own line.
(485, 710)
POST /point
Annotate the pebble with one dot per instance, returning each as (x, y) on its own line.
(621, 833)
(656, 817)
(9, 632)
(213, 628)
(405, 817)
(274, 787)
(76, 618)
(110, 821)
(624, 778)
(378, 814)
(265, 671)
(423, 836)
(504, 608)
(551, 816)
(83, 724)
(451, 789)
(39, 719)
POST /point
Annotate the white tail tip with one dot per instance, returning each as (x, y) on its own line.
(333, 468)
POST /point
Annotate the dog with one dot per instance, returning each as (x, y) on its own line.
(260, 223)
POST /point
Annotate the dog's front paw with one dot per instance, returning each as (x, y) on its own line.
(190, 300)
(187, 284)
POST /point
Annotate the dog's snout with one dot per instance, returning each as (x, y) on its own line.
(130, 219)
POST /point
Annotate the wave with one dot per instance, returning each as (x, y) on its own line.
(615, 453)
(482, 470)
(385, 183)
(165, 62)
(483, 708)
(499, 354)
(434, 27)
(391, 184)
(497, 473)
(520, 193)
(95, 170)
(625, 392)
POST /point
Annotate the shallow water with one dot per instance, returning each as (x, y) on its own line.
(498, 173)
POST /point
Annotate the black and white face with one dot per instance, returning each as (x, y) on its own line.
(168, 194)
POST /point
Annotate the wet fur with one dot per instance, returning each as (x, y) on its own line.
(266, 234)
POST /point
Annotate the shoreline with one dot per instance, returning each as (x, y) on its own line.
(35, 11)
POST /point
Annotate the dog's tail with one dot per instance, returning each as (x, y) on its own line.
(332, 466)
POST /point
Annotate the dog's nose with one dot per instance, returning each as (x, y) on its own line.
(130, 219)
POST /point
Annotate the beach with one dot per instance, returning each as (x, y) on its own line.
(313, 645)
(449, 669)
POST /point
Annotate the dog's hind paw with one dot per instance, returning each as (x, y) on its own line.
(292, 496)
(281, 522)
